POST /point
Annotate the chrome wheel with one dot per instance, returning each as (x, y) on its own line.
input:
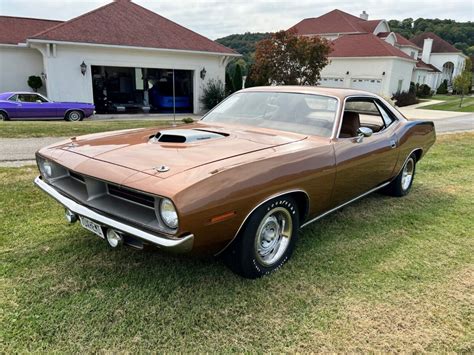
(407, 174)
(74, 116)
(273, 236)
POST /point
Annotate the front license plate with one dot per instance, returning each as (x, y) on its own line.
(92, 226)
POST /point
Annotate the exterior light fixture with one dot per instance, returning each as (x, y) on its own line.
(383, 73)
(347, 73)
(83, 68)
(43, 76)
(203, 73)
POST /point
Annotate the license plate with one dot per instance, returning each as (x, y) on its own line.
(92, 226)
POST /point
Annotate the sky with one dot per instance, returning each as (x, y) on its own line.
(215, 19)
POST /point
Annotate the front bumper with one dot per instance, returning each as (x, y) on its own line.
(181, 245)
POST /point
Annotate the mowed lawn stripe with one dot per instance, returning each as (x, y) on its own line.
(383, 274)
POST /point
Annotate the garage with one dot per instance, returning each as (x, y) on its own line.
(372, 85)
(332, 82)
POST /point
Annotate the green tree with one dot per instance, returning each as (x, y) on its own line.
(463, 82)
(237, 79)
(229, 87)
(35, 82)
(288, 59)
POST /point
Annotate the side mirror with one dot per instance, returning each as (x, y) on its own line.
(363, 132)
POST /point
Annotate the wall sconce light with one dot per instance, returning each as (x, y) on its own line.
(43, 76)
(383, 73)
(347, 73)
(203, 73)
(83, 68)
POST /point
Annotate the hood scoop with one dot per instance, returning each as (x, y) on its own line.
(185, 136)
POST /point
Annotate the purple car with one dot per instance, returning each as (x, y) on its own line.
(31, 105)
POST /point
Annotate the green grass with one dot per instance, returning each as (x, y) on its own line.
(451, 103)
(26, 129)
(382, 275)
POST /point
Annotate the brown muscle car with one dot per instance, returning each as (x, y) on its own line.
(243, 180)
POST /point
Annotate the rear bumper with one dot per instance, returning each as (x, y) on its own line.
(181, 245)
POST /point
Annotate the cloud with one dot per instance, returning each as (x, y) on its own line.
(216, 19)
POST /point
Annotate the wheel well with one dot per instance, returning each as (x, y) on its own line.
(5, 112)
(302, 200)
(418, 154)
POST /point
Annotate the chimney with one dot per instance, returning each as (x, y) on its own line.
(364, 16)
(427, 46)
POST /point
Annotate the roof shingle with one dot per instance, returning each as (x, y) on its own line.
(16, 30)
(125, 23)
(364, 45)
(439, 44)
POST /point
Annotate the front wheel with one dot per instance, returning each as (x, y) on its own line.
(74, 116)
(267, 239)
(401, 186)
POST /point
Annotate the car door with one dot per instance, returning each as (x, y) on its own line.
(364, 163)
(36, 106)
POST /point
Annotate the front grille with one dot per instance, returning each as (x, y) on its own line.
(76, 176)
(131, 195)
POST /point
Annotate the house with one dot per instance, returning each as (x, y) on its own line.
(367, 55)
(121, 56)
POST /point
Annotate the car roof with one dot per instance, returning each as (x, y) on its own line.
(340, 93)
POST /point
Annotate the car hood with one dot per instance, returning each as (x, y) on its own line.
(164, 152)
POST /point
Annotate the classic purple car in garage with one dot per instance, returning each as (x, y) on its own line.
(31, 105)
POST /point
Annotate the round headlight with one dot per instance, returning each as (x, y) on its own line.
(168, 213)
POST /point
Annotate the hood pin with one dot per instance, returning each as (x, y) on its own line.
(162, 169)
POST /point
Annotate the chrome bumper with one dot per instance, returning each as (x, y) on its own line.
(181, 245)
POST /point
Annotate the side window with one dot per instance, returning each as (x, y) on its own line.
(13, 98)
(387, 118)
(38, 98)
(358, 113)
(27, 98)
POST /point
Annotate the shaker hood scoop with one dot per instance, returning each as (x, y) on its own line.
(177, 149)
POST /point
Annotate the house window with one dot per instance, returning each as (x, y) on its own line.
(413, 54)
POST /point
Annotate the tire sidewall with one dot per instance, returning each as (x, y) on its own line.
(3, 116)
(403, 191)
(79, 114)
(250, 265)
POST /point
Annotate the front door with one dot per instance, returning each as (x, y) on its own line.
(364, 163)
(35, 106)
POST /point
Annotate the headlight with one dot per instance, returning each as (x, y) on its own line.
(46, 168)
(168, 213)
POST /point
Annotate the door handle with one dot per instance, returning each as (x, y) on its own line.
(393, 144)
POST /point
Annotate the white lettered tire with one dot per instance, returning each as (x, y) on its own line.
(74, 116)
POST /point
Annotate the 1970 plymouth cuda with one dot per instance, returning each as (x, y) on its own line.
(242, 181)
(31, 105)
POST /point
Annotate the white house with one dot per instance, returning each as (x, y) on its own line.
(121, 56)
(367, 55)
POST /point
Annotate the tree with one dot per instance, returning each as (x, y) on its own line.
(229, 87)
(237, 79)
(35, 82)
(288, 59)
(463, 82)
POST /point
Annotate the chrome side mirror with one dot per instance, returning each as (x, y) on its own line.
(363, 132)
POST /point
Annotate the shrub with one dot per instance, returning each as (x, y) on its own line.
(404, 98)
(423, 91)
(443, 88)
(229, 87)
(412, 88)
(237, 79)
(187, 120)
(212, 94)
(35, 82)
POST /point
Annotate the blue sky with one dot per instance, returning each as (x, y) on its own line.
(216, 19)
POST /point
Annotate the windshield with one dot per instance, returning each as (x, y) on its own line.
(292, 112)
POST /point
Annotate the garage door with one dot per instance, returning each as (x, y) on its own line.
(332, 82)
(372, 85)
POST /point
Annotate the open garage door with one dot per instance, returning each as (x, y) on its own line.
(372, 85)
(332, 82)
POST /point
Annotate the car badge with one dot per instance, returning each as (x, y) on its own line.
(162, 169)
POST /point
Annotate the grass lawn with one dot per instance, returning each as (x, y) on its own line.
(384, 274)
(451, 103)
(26, 129)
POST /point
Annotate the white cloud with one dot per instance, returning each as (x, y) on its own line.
(220, 18)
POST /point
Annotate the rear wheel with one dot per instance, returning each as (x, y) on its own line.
(401, 186)
(74, 116)
(3, 116)
(267, 239)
